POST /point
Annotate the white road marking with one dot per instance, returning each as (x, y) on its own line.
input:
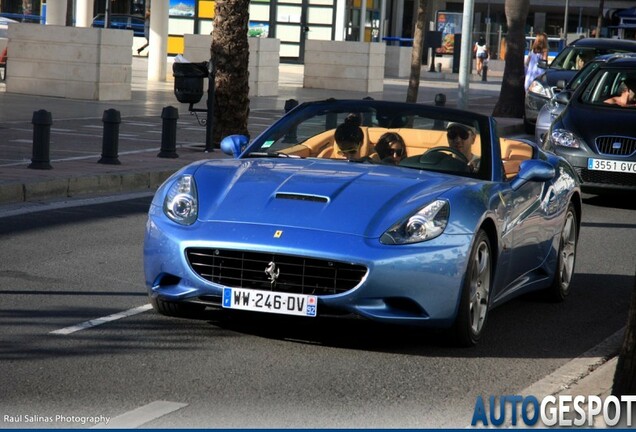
(141, 415)
(100, 321)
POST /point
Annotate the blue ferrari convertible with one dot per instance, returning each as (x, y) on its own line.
(395, 212)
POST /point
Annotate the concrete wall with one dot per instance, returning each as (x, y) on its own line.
(263, 64)
(69, 62)
(340, 65)
(398, 61)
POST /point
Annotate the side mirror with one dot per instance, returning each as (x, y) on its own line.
(563, 97)
(543, 64)
(533, 170)
(234, 145)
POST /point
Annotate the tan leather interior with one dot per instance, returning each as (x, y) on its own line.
(417, 141)
(513, 152)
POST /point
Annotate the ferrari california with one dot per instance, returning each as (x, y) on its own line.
(312, 218)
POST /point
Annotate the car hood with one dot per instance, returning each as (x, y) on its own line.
(590, 122)
(353, 198)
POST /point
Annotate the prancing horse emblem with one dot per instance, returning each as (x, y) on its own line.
(272, 273)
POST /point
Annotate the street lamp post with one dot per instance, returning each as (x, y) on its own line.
(565, 22)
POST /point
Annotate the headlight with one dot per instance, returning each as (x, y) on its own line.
(565, 138)
(539, 89)
(428, 223)
(181, 202)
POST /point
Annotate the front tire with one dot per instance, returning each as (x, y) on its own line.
(560, 287)
(475, 298)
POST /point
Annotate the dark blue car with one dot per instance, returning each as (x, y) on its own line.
(596, 134)
(564, 67)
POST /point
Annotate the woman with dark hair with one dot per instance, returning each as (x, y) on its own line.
(349, 138)
(391, 148)
(481, 53)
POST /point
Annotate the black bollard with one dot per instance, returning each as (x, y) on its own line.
(290, 104)
(110, 141)
(169, 117)
(42, 121)
(440, 101)
(484, 71)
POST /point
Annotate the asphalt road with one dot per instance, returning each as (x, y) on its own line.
(64, 266)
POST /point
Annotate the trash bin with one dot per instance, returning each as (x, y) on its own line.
(188, 81)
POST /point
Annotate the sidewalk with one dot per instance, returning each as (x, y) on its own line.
(76, 147)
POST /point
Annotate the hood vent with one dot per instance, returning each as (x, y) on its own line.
(301, 197)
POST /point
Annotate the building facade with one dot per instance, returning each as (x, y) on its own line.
(295, 21)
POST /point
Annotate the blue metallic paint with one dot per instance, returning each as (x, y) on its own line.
(239, 210)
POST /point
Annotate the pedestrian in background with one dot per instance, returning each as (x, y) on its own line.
(538, 52)
(481, 53)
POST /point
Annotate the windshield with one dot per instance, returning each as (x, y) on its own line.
(405, 135)
(574, 58)
(583, 74)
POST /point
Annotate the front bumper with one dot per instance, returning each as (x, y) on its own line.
(593, 181)
(414, 284)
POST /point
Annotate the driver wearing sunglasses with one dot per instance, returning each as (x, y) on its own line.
(461, 138)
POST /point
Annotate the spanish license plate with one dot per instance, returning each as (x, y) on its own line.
(268, 301)
(611, 165)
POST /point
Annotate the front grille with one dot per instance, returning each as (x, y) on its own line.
(616, 145)
(294, 274)
(607, 177)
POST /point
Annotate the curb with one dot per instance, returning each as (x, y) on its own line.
(15, 193)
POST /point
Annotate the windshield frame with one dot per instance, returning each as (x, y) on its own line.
(376, 116)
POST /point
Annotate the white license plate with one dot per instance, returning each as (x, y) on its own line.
(611, 165)
(268, 301)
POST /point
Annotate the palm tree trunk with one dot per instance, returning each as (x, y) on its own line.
(511, 97)
(416, 54)
(599, 22)
(230, 52)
